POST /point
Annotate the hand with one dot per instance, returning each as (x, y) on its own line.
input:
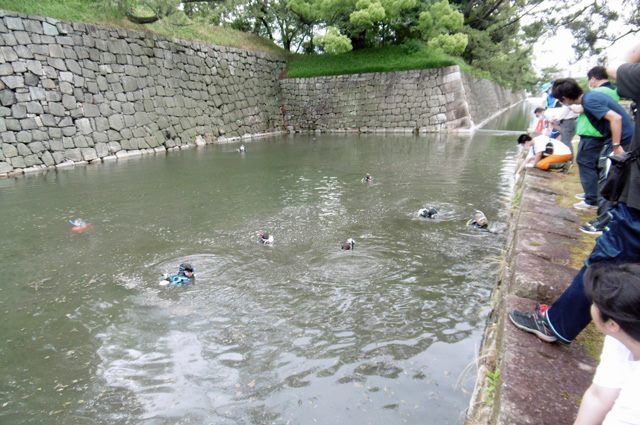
(618, 150)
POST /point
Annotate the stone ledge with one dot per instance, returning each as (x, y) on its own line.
(541, 383)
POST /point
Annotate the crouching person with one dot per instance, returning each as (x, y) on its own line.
(545, 153)
(613, 396)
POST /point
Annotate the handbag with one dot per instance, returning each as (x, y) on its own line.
(618, 175)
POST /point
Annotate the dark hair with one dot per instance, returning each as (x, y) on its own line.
(598, 72)
(566, 87)
(615, 290)
(535, 111)
(523, 138)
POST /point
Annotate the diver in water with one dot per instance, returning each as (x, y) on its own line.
(368, 178)
(479, 221)
(79, 225)
(430, 212)
(242, 149)
(265, 238)
(348, 245)
(186, 275)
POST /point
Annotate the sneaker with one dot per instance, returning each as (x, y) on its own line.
(590, 229)
(584, 206)
(533, 323)
(597, 226)
(580, 196)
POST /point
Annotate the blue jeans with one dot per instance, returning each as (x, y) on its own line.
(588, 157)
(620, 243)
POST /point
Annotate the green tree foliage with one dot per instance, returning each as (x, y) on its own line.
(334, 43)
(440, 25)
(488, 34)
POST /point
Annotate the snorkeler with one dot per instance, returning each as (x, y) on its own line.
(348, 245)
(265, 238)
(430, 212)
(186, 275)
(79, 225)
(479, 220)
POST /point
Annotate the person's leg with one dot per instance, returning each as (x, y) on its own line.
(569, 315)
(588, 157)
(567, 131)
(552, 161)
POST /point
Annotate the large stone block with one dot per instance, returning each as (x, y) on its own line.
(49, 29)
(9, 150)
(116, 122)
(48, 159)
(18, 162)
(13, 81)
(73, 155)
(37, 147)
(5, 167)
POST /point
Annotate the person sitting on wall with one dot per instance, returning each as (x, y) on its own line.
(544, 153)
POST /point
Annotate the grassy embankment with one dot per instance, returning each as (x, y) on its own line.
(384, 59)
(94, 12)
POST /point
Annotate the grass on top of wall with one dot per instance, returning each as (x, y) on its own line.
(95, 12)
(381, 59)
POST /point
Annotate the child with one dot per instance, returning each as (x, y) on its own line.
(185, 276)
(613, 396)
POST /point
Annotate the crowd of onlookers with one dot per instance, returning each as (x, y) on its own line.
(607, 288)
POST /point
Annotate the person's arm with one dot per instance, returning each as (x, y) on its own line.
(632, 57)
(596, 403)
(615, 122)
(537, 158)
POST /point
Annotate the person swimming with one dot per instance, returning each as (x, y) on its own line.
(348, 245)
(186, 275)
(430, 212)
(242, 149)
(79, 225)
(479, 220)
(367, 178)
(265, 238)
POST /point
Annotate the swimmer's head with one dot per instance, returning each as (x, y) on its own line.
(186, 269)
(430, 212)
(480, 220)
(349, 244)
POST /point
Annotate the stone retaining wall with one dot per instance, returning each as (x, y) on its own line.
(74, 93)
(409, 101)
(71, 92)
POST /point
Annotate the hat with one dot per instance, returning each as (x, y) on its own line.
(186, 267)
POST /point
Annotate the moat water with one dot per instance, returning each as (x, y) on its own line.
(297, 333)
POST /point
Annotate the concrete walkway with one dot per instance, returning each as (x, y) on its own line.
(539, 383)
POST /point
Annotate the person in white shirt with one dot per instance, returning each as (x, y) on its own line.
(544, 152)
(612, 398)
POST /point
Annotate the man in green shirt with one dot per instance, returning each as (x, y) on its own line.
(593, 150)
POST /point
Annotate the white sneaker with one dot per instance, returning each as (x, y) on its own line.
(584, 206)
(580, 196)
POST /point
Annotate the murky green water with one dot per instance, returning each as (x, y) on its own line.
(297, 333)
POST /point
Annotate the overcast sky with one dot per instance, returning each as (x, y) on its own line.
(557, 50)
